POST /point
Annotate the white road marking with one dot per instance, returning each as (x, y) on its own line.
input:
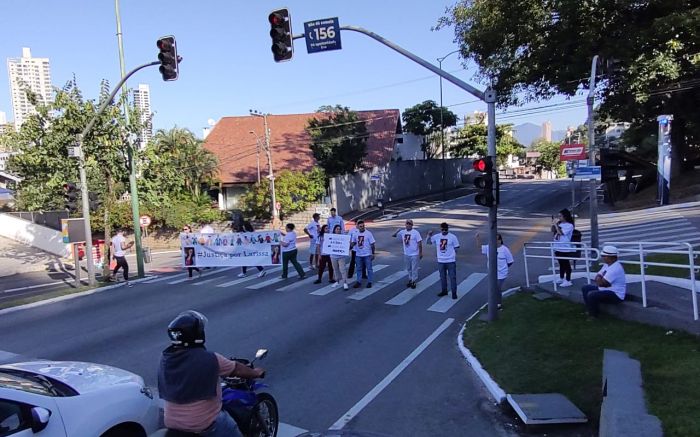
(165, 278)
(248, 278)
(276, 280)
(445, 303)
(378, 286)
(287, 430)
(376, 268)
(215, 271)
(29, 287)
(410, 293)
(384, 383)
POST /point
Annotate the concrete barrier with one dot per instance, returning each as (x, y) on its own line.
(34, 235)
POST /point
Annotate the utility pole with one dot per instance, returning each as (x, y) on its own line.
(442, 130)
(257, 150)
(271, 176)
(85, 194)
(593, 195)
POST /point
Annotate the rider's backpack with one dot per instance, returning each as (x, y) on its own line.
(576, 237)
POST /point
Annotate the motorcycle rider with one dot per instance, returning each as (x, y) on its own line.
(188, 380)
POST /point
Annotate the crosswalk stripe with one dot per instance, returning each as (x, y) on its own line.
(164, 278)
(378, 286)
(248, 278)
(203, 282)
(410, 293)
(264, 284)
(629, 229)
(213, 272)
(445, 303)
(650, 234)
(376, 268)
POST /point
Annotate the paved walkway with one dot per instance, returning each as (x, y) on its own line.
(19, 258)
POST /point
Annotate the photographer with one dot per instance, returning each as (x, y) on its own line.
(563, 229)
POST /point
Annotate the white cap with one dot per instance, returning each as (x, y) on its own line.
(609, 251)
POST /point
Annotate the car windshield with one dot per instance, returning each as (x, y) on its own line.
(33, 383)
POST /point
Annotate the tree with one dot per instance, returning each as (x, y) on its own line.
(549, 157)
(532, 50)
(338, 139)
(293, 190)
(424, 119)
(472, 141)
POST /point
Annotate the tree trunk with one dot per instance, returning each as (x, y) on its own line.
(108, 227)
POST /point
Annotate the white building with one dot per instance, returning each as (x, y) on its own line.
(142, 102)
(547, 131)
(28, 73)
(3, 122)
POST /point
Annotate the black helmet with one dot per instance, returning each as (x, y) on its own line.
(187, 329)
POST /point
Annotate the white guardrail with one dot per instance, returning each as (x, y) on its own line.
(546, 249)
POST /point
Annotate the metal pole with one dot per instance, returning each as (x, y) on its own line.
(257, 144)
(442, 137)
(130, 153)
(76, 258)
(275, 213)
(593, 195)
(490, 98)
(86, 218)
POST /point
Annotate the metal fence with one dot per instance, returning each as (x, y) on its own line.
(546, 249)
(50, 219)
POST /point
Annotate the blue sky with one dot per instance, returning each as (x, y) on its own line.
(227, 65)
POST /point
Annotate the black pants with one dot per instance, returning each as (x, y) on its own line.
(564, 264)
(351, 269)
(121, 262)
(322, 263)
(191, 269)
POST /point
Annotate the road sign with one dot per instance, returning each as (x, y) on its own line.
(144, 220)
(322, 35)
(587, 173)
(572, 152)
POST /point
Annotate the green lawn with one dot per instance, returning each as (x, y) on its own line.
(670, 258)
(551, 346)
(49, 295)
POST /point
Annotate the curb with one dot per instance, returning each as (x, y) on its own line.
(496, 392)
(69, 296)
(422, 208)
(631, 279)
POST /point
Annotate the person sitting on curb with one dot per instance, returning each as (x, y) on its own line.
(610, 283)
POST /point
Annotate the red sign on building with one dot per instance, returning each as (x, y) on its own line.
(572, 152)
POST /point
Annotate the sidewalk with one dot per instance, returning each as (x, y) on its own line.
(20, 258)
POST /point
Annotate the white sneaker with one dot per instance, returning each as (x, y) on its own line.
(335, 284)
(262, 273)
(345, 287)
(559, 281)
(566, 284)
(241, 275)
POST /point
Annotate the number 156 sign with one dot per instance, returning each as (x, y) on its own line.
(322, 35)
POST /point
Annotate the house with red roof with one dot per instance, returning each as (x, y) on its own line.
(237, 143)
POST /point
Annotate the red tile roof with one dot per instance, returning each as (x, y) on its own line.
(231, 141)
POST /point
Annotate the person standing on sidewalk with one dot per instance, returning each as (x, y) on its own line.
(446, 244)
(289, 252)
(323, 260)
(563, 229)
(412, 250)
(187, 229)
(335, 219)
(338, 262)
(363, 242)
(505, 260)
(611, 283)
(312, 230)
(247, 226)
(119, 248)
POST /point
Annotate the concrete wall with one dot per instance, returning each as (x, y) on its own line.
(394, 181)
(34, 235)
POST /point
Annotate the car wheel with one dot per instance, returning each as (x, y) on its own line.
(125, 430)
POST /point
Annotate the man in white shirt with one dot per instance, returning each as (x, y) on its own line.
(446, 244)
(312, 230)
(335, 219)
(611, 284)
(504, 258)
(412, 250)
(119, 248)
(206, 229)
(363, 242)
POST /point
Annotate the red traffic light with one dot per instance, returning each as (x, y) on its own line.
(276, 19)
(484, 165)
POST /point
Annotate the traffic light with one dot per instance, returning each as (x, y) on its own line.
(70, 196)
(168, 58)
(484, 182)
(94, 201)
(281, 33)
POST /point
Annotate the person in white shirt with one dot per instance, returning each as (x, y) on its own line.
(335, 219)
(363, 242)
(446, 244)
(563, 230)
(412, 250)
(353, 256)
(119, 248)
(611, 284)
(206, 229)
(505, 260)
(338, 264)
(289, 252)
(312, 230)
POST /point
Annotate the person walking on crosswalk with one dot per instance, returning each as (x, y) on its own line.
(446, 244)
(323, 260)
(363, 242)
(338, 263)
(289, 252)
(412, 250)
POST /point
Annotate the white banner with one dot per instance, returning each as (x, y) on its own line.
(234, 249)
(336, 244)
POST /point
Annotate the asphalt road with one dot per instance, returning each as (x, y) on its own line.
(384, 363)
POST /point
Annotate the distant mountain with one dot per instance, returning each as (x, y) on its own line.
(558, 135)
(526, 133)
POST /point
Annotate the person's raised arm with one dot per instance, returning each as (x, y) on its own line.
(429, 240)
(396, 233)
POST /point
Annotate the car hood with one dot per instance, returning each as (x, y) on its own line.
(82, 377)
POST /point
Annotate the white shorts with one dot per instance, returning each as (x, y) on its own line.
(312, 248)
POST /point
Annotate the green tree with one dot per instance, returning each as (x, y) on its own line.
(293, 190)
(472, 141)
(532, 50)
(427, 119)
(338, 139)
(549, 157)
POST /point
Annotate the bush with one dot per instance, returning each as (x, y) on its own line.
(293, 190)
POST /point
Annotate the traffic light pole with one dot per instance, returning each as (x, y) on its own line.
(489, 97)
(83, 177)
(593, 194)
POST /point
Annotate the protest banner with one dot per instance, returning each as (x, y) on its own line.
(231, 249)
(336, 244)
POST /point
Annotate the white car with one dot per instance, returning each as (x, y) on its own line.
(74, 399)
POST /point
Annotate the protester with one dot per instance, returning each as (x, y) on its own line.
(353, 256)
(446, 244)
(363, 242)
(289, 252)
(611, 284)
(119, 248)
(338, 263)
(206, 229)
(323, 260)
(505, 260)
(412, 250)
(312, 230)
(190, 253)
(335, 219)
(247, 226)
(563, 229)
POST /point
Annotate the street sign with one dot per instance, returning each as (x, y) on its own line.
(322, 35)
(572, 152)
(587, 173)
(73, 230)
(74, 151)
(144, 220)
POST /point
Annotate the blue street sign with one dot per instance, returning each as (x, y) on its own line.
(322, 35)
(585, 173)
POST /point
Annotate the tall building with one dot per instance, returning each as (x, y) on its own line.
(547, 130)
(3, 122)
(28, 73)
(142, 101)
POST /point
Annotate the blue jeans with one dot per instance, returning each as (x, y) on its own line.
(360, 263)
(223, 426)
(448, 269)
(592, 296)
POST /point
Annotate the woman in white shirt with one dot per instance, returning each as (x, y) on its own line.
(563, 230)
(505, 260)
(289, 252)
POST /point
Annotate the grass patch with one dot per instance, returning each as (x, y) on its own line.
(550, 346)
(48, 295)
(669, 258)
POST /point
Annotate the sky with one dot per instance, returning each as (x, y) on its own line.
(228, 67)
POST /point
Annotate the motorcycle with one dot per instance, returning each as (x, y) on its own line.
(254, 411)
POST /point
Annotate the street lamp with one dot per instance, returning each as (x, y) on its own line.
(257, 144)
(442, 130)
(275, 213)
